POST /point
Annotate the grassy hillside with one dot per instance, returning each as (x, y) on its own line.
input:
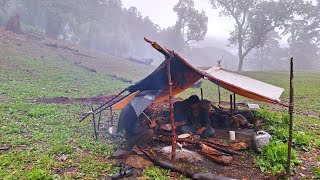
(47, 141)
(39, 134)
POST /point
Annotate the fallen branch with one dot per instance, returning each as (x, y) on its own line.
(166, 165)
(183, 171)
(55, 45)
(213, 154)
(229, 151)
(213, 142)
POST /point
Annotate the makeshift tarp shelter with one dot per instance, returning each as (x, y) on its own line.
(184, 75)
(175, 75)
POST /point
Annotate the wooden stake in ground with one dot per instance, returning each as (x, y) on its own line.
(174, 138)
(219, 95)
(234, 102)
(231, 105)
(291, 105)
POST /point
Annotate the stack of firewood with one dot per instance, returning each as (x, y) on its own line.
(216, 151)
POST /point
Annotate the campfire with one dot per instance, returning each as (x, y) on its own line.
(190, 149)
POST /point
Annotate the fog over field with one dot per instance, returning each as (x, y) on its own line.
(255, 35)
(79, 89)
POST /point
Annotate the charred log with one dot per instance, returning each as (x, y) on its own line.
(186, 172)
(216, 145)
(214, 154)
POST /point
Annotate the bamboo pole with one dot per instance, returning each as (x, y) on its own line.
(291, 106)
(174, 138)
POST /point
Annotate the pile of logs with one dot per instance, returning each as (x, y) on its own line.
(202, 148)
(216, 151)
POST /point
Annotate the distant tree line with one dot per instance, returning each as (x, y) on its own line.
(259, 24)
(106, 26)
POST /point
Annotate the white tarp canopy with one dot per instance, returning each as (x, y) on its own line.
(244, 85)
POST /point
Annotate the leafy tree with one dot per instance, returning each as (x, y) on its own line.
(269, 55)
(192, 23)
(172, 38)
(254, 19)
(7, 8)
(303, 28)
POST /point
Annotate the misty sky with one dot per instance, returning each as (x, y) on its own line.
(161, 13)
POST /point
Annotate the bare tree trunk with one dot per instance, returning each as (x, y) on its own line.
(241, 57)
(240, 53)
(14, 24)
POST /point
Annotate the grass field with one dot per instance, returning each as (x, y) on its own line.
(46, 140)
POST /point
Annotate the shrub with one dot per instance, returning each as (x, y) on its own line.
(278, 128)
(156, 173)
(38, 174)
(316, 172)
(60, 149)
(273, 158)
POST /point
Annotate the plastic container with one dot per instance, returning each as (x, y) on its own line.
(259, 140)
(113, 130)
(232, 135)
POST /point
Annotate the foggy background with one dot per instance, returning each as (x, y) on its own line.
(253, 35)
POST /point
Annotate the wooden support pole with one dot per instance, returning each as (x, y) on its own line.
(94, 125)
(99, 121)
(219, 94)
(291, 106)
(201, 93)
(234, 102)
(111, 117)
(174, 138)
(231, 105)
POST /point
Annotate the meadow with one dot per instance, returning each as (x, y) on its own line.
(46, 141)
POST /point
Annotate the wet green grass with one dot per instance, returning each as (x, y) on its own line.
(39, 134)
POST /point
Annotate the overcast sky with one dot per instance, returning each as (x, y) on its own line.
(161, 13)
